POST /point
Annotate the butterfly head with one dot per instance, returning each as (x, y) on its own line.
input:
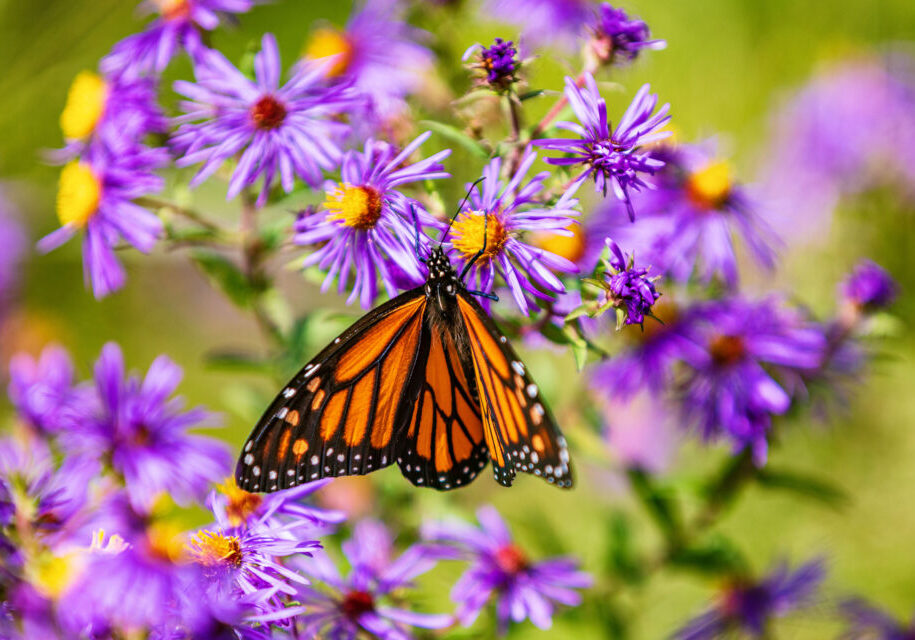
(442, 279)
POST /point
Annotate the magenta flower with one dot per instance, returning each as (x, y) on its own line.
(178, 26)
(864, 620)
(522, 589)
(506, 210)
(283, 131)
(614, 158)
(349, 606)
(869, 287)
(749, 606)
(628, 288)
(496, 65)
(544, 22)
(366, 226)
(615, 35)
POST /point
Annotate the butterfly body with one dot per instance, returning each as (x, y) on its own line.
(425, 380)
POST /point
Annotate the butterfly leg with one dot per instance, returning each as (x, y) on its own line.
(478, 253)
(416, 228)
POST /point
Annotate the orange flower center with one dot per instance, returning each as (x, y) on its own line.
(572, 247)
(511, 559)
(356, 603)
(727, 350)
(710, 187)
(268, 113)
(358, 207)
(468, 233)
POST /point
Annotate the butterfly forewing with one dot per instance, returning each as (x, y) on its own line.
(343, 412)
(519, 430)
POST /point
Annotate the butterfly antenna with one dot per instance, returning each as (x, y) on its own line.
(460, 208)
(416, 228)
(476, 257)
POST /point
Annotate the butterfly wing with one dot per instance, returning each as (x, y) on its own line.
(444, 446)
(342, 413)
(519, 430)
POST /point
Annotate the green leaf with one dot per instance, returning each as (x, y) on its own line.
(802, 484)
(226, 275)
(457, 136)
(527, 95)
(621, 558)
(716, 556)
(658, 503)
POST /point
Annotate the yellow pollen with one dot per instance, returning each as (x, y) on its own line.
(358, 207)
(326, 42)
(467, 234)
(85, 105)
(241, 504)
(165, 541)
(78, 195)
(710, 186)
(213, 549)
(572, 247)
(173, 9)
(114, 545)
(51, 575)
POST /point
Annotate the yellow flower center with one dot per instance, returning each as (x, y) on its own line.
(165, 541)
(78, 195)
(467, 234)
(51, 575)
(328, 42)
(174, 9)
(572, 247)
(241, 504)
(85, 105)
(213, 549)
(710, 186)
(358, 207)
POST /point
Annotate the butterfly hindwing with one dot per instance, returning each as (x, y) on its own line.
(443, 446)
(519, 430)
(343, 412)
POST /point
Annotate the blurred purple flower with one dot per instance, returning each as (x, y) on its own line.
(353, 606)
(143, 435)
(640, 431)
(504, 211)
(687, 224)
(614, 35)
(629, 289)
(96, 196)
(367, 226)
(178, 26)
(748, 607)
(544, 22)
(867, 622)
(379, 53)
(287, 130)
(497, 64)
(613, 158)
(44, 393)
(744, 348)
(522, 588)
(869, 287)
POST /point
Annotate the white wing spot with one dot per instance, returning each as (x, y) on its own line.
(290, 473)
(249, 458)
(272, 474)
(288, 392)
(256, 470)
(534, 457)
(532, 390)
(341, 457)
(518, 366)
(249, 445)
(329, 452)
(538, 409)
(314, 459)
(282, 413)
(503, 339)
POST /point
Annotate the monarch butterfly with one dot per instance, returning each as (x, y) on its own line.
(426, 380)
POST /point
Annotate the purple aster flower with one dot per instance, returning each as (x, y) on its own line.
(688, 224)
(749, 606)
(612, 157)
(505, 210)
(43, 390)
(96, 196)
(142, 433)
(178, 26)
(287, 130)
(544, 22)
(12, 249)
(615, 36)
(869, 287)
(367, 226)
(497, 64)
(522, 588)
(114, 113)
(865, 621)
(628, 289)
(640, 431)
(749, 353)
(351, 605)
(379, 53)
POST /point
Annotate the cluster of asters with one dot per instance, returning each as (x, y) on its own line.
(94, 544)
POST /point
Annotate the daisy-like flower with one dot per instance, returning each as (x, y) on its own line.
(43, 391)
(751, 359)
(867, 622)
(496, 65)
(178, 26)
(366, 225)
(749, 606)
(115, 113)
(869, 287)
(95, 197)
(286, 130)
(501, 212)
(544, 22)
(616, 36)
(522, 588)
(614, 158)
(142, 433)
(347, 607)
(379, 53)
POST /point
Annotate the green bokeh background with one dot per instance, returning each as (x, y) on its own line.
(727, 65)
